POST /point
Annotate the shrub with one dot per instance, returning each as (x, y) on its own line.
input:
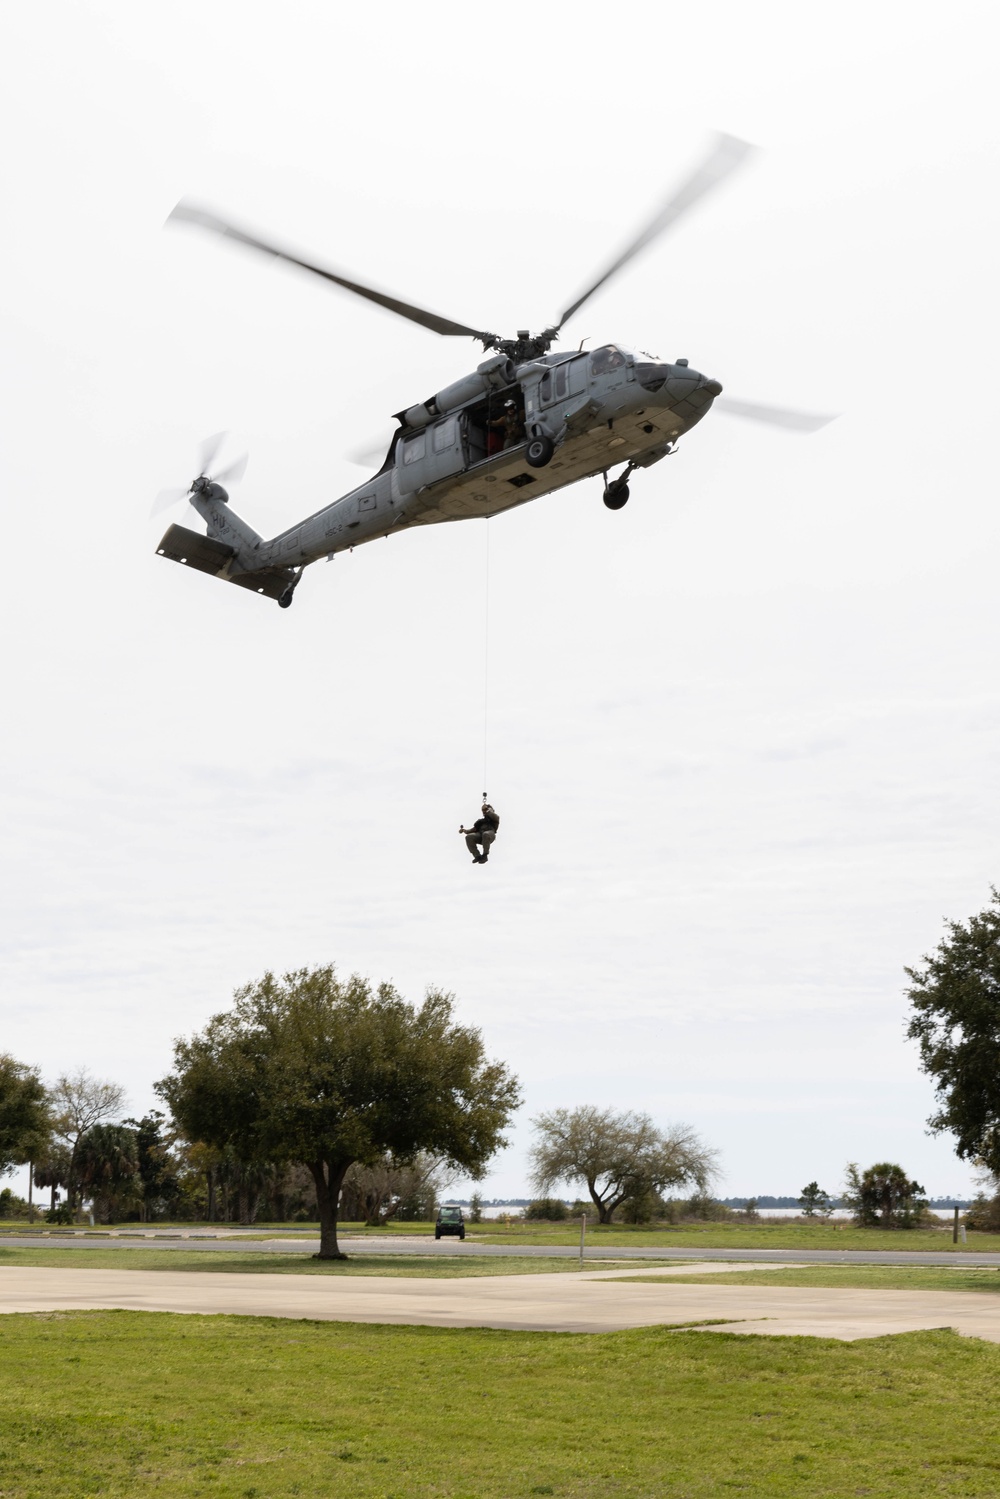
(581, 1209)
(12, 1206)
(706, 1209)
(984, 1214)
(546, 1210)
(643, 1207)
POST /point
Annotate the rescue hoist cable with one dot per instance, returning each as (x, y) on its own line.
(486, 654)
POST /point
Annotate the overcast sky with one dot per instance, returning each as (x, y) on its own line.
(743, 734)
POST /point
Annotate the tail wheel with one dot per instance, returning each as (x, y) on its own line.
(615, 496)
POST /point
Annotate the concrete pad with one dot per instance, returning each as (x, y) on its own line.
(587, 1303)
(707, 1267)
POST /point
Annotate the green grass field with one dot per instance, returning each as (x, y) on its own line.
(258, 1263)
(122, 1404)
(871, 1277)
(752, 1236)
(818, 1235)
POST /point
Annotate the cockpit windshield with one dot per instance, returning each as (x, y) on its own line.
(606, 359)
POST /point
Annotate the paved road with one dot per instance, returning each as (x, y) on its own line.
(586, 1303)
(423, 1245)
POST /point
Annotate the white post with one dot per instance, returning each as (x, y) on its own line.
(583, 1235)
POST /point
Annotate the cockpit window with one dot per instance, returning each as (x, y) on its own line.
(651, 376)
(603, 361)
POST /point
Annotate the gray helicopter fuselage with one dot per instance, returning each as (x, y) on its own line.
(597, 409)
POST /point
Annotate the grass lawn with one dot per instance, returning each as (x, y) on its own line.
(256, 1263)
(122, 1404)
(873, 1277)
(752, 1236)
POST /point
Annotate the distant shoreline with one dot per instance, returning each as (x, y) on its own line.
(763, 1204)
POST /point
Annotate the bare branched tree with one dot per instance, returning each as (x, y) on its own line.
(374, 1194)
(617, 1156)
(78, 1102)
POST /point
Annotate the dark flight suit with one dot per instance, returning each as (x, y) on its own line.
(484, 830)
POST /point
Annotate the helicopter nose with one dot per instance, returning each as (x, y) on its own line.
(681, 381)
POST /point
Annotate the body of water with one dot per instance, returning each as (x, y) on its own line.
(839, 1215)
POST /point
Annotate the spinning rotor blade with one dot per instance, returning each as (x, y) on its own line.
(166, 498)
(233, 472)
(189, 213)
(773, 416)
(724, 157)
(370, 453)
(208, 452)
(209, 449)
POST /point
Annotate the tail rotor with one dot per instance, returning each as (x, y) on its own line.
(208, 454)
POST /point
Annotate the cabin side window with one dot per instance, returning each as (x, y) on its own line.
(444, 435)
(554, 384)
(414, 448)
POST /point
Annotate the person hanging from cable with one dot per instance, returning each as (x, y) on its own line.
(480, 836)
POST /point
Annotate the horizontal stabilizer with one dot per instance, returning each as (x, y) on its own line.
(190, 547)
(210, 556)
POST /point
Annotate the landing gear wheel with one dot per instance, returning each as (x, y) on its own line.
(616, 495)
(539, 451)
(285, 601)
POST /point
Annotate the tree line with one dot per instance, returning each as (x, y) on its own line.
(317, 1094)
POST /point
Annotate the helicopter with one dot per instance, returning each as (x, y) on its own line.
(526, 422)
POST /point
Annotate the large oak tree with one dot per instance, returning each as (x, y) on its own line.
(309, 1068)
(25, 1124)
(956, 1021)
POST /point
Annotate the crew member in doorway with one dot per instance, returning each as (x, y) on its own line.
(480, 836)
(510, 424)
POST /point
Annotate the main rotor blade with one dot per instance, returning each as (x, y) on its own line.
(370, 453)
(773, 416)
(190, 213)
(725, 156)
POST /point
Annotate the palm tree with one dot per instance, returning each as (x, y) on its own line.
(107, 1163)
(53, 1170)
